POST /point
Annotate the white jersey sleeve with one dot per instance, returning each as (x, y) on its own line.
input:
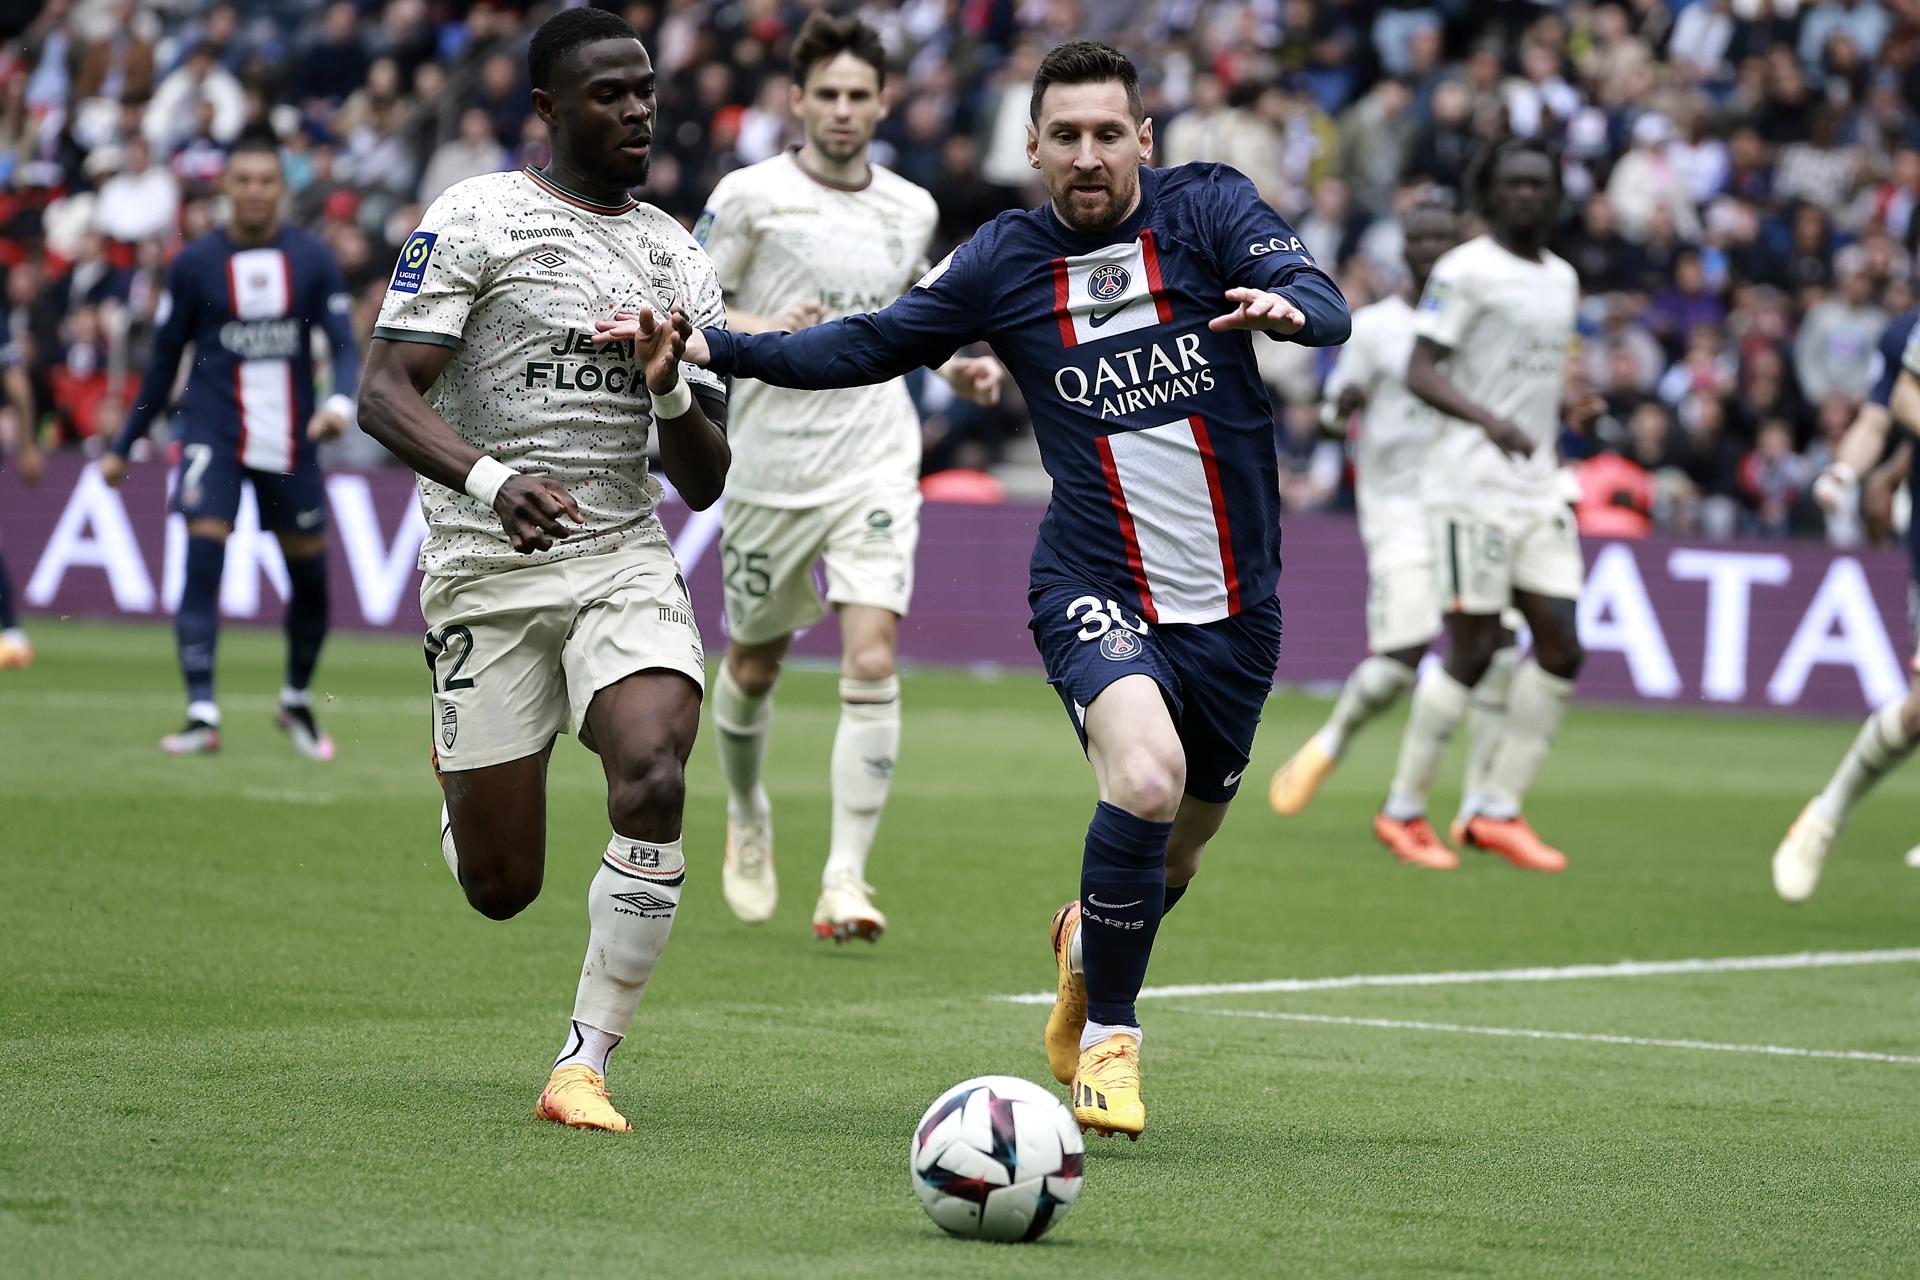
(700, 297)
(1450, 305)
(442, 270)
(1354, 366)
(726, 229)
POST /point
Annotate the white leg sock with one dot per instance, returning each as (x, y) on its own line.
(1095, 1032)
(1880, 745)
(864, 750)
(1371, 688)
(1486, 720)
(630, 908)
(744, 723)
(1533, 717)
(1439, 703)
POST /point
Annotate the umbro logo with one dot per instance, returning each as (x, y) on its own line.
(548, 259)
(645, 903)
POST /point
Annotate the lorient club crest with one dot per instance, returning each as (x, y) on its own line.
(1107, 281)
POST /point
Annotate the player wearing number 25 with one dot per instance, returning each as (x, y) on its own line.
(1126, 308)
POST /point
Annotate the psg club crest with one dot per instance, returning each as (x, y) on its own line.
(1120, 645)
(1107, 281)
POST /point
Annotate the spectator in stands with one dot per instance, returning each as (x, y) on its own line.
(1833, 354)
(172, 116)
(1773, 479)
(334, 64)
(474, 152)
(140, 200)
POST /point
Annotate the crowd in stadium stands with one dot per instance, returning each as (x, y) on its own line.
(1742, 179)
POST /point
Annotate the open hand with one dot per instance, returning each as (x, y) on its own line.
(625, 327)
(325, 425)
(1258, 309)
(1508, 438)
(530, 508)
(800, 315)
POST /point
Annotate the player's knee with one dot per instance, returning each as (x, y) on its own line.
(499, 896)
(755, 673)
(1467, 663)
(1560, 655)
(869, 661)
(649, 795)
(1148, 786)
(210, 530)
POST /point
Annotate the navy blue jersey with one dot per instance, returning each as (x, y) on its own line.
(1156, 430)
(249, 311)
(1900, 351)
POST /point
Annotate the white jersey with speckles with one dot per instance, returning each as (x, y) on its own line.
(511, 272)
(778, 235)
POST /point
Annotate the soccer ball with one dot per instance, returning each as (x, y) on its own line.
(997, 1158)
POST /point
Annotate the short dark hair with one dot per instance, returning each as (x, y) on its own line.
(822, 38)
(566, 31)
(1087, 62)
(255, 141)
(1486, 165)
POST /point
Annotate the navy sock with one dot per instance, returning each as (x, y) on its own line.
(196, 628)
(1175, 892)
(306, 618)
(1123, 885)
(8, 618)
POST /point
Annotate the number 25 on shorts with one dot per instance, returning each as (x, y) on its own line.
(746, 572)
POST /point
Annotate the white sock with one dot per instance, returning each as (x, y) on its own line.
(630, 908)
(744, 723)
(447, 851)
(1439, 703)
(1486, 720)
(864, 749)
(292, 697)
(1076, 958)
(1881, 744)
(1533, 717)
(1097, 1031)
(587, 1047)
(1371, 688)
(204, 712)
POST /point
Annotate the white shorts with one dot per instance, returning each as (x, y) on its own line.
(517, 656)
(1481, 558)
(867, 539)
(1403, 606)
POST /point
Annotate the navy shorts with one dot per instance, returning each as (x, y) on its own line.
(1215, 675)
(207, 487)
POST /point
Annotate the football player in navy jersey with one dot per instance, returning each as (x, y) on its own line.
(247, 296)
(1126, 308)
(1891, 733)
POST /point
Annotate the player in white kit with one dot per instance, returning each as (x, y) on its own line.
(1403, 602)
(1491, 341)
(551, 597)
(815, 233)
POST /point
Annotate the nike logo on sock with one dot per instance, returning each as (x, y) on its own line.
(1114, 906)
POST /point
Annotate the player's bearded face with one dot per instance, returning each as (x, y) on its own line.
(1089, 150)
(840, 106)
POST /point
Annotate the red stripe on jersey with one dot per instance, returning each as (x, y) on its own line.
(1060, 296)
(1219, 497)
(286, 270)
(1127, 534)
(239, 396)
(1158, 287)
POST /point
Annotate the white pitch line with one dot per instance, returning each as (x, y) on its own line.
(1563, 973)
(1524, 1033)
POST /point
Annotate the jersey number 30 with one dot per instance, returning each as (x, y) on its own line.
(1097, 617)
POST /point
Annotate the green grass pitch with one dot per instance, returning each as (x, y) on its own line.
(248, 1025)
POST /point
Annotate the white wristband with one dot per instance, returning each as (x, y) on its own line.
(671, 404)
(484, 481)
